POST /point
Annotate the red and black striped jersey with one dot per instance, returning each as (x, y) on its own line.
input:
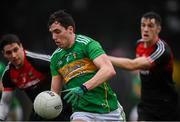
(157, 82)
(33, 77)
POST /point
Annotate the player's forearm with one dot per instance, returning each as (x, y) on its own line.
(56, 84)
(1, 86)
(124, 63)
(101, 76)
(55, 88)
(131, 64)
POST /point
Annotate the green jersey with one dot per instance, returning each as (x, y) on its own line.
(76, 66)
(2, 68)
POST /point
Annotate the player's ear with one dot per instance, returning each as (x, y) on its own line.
(70, 28)
(21, 45)
(2, 51)
(159, 29)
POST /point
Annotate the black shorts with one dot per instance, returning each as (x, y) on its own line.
(158, 112)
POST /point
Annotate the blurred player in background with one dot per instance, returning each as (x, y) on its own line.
(82, 66)
(16, 111)
(2, 68)
(135, 95)
(159, 99)
(27, 71)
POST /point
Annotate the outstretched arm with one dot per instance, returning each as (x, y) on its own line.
(131, 64)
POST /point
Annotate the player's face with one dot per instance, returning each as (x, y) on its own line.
(14, 53)
(61, 35)
(149, 30)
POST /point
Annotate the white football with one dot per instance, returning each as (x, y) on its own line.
(48, 104)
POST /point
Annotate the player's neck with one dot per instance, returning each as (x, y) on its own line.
(71, 41)
(151, 42)
(18, 66)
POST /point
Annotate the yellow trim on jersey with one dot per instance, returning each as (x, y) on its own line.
(106, 96)
(77, 68)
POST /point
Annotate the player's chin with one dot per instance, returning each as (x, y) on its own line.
(145, 39)
(16, 63)
(59, 45)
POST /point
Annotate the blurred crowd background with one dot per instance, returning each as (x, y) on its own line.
(115, 24)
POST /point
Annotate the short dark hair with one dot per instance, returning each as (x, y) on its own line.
(9, 39)
(63, 18)
(153, 15)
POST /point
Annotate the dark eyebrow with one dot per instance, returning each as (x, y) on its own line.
(14, 49)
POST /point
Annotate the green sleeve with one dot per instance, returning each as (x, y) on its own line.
(94, 50)
(54, 70)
